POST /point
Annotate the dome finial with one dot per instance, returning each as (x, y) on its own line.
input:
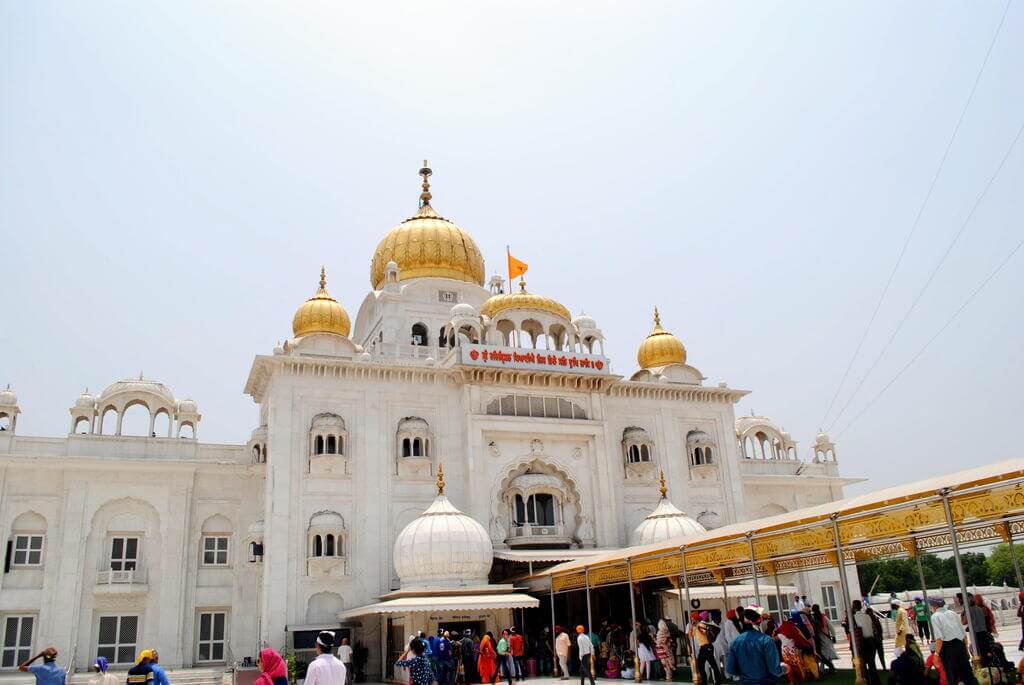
(440, 480)
(662, 488)
(323, 278)
(425, 196)
(657, 318)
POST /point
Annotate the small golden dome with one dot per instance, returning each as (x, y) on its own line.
(321, 314)
(660, 348)
(428, 245)
(523, 300)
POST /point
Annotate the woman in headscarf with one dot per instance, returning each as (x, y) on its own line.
(665, 648)
(99, 667)
(487, 664)
(794, 644)
(273, 669)
(824, 638)
(1020, 615)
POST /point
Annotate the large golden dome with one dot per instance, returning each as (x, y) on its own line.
(660, 348)
(321, 314)
(428, 245)
(523, 300)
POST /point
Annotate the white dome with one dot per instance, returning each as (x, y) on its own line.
(413, 423)
(8, 396)
(443, 548)
(664, 523)
(822, 439)
(463, 311)
(85, 401)
(187, 407)
(584, 323)
(136, 386)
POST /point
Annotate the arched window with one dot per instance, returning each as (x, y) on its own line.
(319, 444)
(645, 453)
(329, 545)
(332, 445)
(413, 438)
(318, 546)
(419, 334)
(326, 535)
(327, 435)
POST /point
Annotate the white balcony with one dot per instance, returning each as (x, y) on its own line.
(530, 534)
(110, 582)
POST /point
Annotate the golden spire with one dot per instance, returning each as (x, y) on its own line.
(440, 475)
(323, 279)
(657, 319)
(425, 196)
(662, 488)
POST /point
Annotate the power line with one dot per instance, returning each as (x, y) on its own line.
(937, 334)
(917, 218)
(931, 277)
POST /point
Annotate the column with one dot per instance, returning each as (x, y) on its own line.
(590, 620)
(551, 593)
(632, 613)
(753, 570)
(845, 589)
(695, 674)
(944, 493)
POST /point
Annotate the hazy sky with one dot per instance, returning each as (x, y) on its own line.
(174, 174)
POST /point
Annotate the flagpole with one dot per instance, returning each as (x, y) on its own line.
(508, 266)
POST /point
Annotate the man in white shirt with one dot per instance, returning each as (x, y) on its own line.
(325, 669)
(586, 650)
(345, 656)
(949, 644)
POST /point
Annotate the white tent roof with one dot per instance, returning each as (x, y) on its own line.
(737, 591)
(510, 600)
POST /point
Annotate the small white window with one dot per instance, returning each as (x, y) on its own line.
(215, 550)
(124, 553)
(117, 638)
(28, 550)
(829, 603)
(17, 640)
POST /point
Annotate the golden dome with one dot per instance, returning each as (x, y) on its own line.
(660, 348)
(428, 245)
(321, 314)
(523, 300)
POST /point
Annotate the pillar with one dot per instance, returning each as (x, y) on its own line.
(845, 589)
(950, 524)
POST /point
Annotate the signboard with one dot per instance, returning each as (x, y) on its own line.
(494, 357)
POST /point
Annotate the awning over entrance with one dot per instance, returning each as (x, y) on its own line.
(510, 600)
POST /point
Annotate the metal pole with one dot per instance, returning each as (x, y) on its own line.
(632, 612)
(920, 576)
(844, 586)
(778, 597)
(725, 594)
(695, 675)
(590, 619)
(554, 657)
(753, 571)
(944, 492)
(1013, 555)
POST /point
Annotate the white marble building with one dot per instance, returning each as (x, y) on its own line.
(118, 542)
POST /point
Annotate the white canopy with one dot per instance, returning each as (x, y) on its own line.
(737, 591)
(512, 600)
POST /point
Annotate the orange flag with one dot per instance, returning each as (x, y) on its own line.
(516, 267)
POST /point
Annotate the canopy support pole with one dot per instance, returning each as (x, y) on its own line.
(753, 570)
(1008, 534)
(844, 586)
(778, 594)
(555, 666)
(632, 612)
(944, 493)
(920, 577)
(590, 618)
(695, 674)
(725, 593)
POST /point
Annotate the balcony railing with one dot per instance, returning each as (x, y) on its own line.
(111, 577)
(532, 531)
